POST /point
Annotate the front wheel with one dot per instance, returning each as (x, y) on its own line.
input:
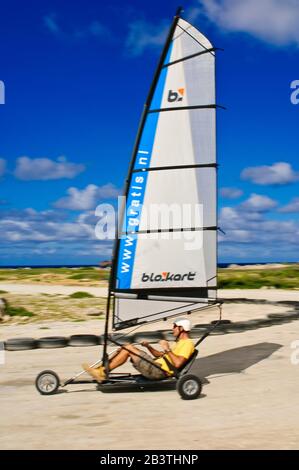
(189, 387)
(47, 382)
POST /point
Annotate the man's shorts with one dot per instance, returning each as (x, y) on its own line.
(147, 367)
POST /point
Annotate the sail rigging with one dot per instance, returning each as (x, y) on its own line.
(165, 264)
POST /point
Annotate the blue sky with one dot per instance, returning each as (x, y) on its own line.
(76, 75)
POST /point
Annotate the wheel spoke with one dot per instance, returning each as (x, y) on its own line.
(190, 387)
(47, 383)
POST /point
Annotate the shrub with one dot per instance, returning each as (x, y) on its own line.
(80, 295)
(18, 311)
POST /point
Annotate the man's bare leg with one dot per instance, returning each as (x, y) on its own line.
(128, 350)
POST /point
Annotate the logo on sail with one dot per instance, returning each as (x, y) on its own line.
(175, 95)
(167, 276)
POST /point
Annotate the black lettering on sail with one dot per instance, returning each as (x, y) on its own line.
(172, 96)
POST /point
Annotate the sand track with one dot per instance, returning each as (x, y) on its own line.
(250, 395)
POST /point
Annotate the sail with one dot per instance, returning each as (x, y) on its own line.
(165, 259)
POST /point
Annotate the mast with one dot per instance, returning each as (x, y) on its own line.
(134, 154)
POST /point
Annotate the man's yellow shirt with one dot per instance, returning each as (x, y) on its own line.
(184, 347)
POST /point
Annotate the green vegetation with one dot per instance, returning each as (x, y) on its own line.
(86, 275)
(18, 311)
(81, 305)
(80, 295)
(255, 278)
(57, 307)
(90, 274)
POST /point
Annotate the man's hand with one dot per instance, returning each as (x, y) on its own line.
(164, 344)
(152, 350)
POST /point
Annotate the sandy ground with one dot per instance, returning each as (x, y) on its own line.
(269, 294)
(51, 289)
(249, 401)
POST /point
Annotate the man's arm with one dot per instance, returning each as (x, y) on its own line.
(177, 361)
(152, 350)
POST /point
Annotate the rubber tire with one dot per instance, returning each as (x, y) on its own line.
(181, 387)
(101, 339)
(55, 376)
(20, 344)
(252, 324)
(49, 342)
(83, 340)
(277, 316)
(197, 333)
(219, 331)
(150, 336)
(237, 327)
(167, 334)
(121, 339)
(265, 322)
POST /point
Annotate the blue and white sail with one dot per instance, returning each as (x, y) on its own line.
(156, 271)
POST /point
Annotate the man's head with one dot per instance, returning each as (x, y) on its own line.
(181, 325)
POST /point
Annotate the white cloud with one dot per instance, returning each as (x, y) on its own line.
(231, 193)
(31, 215)
(293, 206)
(93, 29)
(43, 226)
(51, 24)
(277, 174)
(49, 235)
(88, 218)
(258, 203)
(273, 21)
(47, 252)
(87, 198)
(239, 227)
(97, 29)
(45, 169)
(239, 252)
(236, 218)
(143, 35)
(29, 234)
(2, 166)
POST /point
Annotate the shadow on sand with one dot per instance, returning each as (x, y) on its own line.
(227, 362)
(233, 360)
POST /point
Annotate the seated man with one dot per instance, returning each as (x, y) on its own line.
(154, 369)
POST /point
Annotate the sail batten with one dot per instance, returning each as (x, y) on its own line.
(190, 57)
(165, 261)
(178, 167)
(181, 108)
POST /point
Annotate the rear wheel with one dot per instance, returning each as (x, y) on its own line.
(189, 387)
(47, 382)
